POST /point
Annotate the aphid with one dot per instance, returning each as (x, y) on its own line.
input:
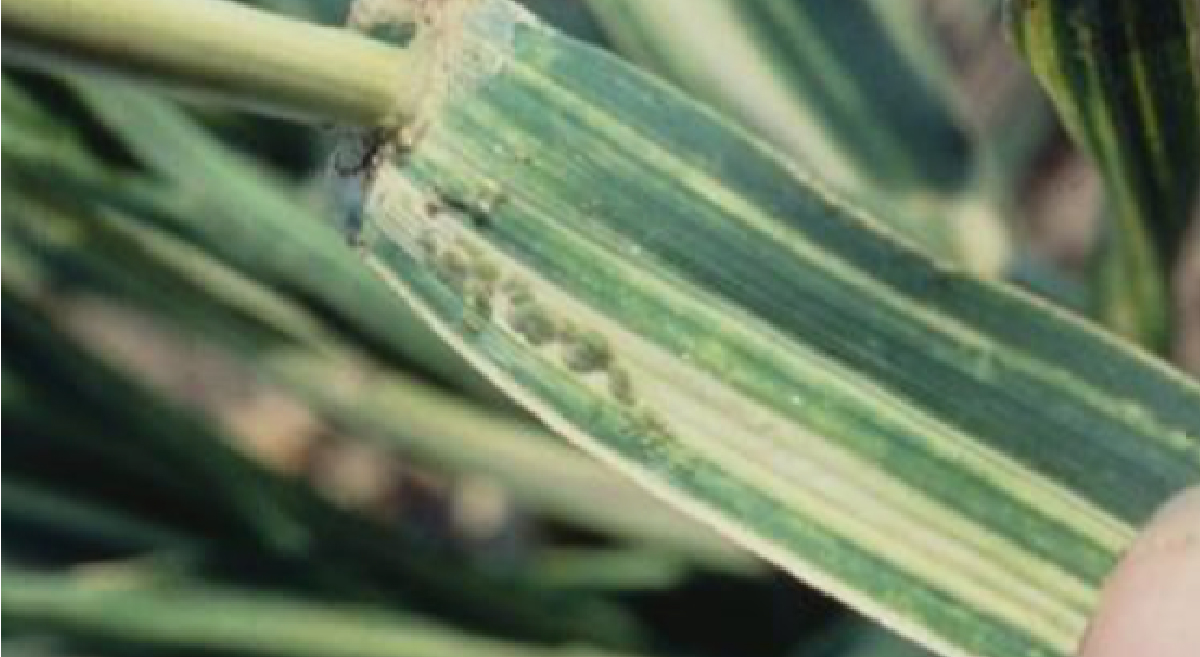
(532, 323)
(352, 227)
(487, 270)
(370, 148)
(586, 351)
(479, 302)
(453, 268)
(647, 423)
(517, 291)
(620, 385)
(567, 330)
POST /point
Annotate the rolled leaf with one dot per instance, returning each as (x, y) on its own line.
(1124, 76)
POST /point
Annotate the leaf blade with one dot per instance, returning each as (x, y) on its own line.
(670, 252)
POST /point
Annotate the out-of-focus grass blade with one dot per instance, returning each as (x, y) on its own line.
(130, 259)
(538, 472)
(258, 228)
(853, 90)
(126, 611)
(954, 458)
(31, 505)
(241, 512)
(622, 569)
(1001, 101)
(1125, 78)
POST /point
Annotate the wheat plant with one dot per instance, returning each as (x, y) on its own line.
(453, 333)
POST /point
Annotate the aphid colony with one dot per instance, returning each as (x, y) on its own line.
(491, 297)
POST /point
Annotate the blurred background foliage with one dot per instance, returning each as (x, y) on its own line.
(225, 437)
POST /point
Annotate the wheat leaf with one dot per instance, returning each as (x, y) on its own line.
(954, 458)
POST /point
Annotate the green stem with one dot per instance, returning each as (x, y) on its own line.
(252, 58)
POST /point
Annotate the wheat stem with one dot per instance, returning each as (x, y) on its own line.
(249, 57)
